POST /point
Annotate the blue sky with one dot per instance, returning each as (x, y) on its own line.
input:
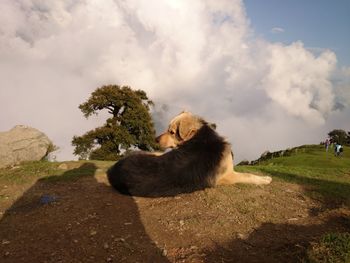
(318, 24)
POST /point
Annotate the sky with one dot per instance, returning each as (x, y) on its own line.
(318, 24)
(271, 74)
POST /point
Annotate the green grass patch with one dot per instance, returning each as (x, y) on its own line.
(331, 248)
(28, 171)
(322, 173)
(51, 171)
(85, 169)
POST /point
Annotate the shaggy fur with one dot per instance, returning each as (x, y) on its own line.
(201, 159)
(192, 166)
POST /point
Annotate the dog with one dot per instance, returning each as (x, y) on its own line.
(200, 159)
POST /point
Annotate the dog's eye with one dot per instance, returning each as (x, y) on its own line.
(172, 132)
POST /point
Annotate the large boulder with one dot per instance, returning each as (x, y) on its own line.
(22, 143)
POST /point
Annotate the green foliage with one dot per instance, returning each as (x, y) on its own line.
(331, 248)
(52, 148)
(340, 136)
(130, 124)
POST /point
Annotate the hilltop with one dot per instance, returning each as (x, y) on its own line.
(67, 212)
(309, 165)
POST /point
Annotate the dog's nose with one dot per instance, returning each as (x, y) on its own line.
(158, 139)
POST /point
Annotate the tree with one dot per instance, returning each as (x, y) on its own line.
(339, 136)
(129, 126)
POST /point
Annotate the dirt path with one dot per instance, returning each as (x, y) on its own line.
(84, 220)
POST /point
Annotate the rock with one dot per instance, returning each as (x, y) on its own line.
(5, 242)
(22, 143)
(182, 223)
(194, 248)
(241, 236)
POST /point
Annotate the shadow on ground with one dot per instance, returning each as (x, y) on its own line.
(322, 190)
(276, 242)
(63, 219)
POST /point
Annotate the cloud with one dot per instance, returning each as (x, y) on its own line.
(341, 80)
(297, 77)
(277, 30)
(195, 55)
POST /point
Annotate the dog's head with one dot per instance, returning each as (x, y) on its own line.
(181, 129)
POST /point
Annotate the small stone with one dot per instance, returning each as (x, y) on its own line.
(75, 241)
(241, 236)
(5, 242)
(47, 199)
(7, 254)
(182, 223)
(93, 232)
(164, 252)
(105, 246)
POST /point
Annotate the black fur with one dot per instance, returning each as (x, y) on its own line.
(190, 167)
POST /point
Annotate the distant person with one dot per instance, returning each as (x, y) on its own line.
(338, 149)
(341, 149)
(335, 144)
(327, 143)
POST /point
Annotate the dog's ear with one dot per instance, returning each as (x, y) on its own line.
(188, 127)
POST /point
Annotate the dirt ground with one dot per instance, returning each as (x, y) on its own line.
(84, 220)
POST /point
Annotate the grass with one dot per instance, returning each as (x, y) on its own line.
(85, 169)
(28, 171)
(331, 248)
(51, 172)
(321, 173)
(323, 176)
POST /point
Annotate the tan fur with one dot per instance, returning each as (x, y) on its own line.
(181, 129)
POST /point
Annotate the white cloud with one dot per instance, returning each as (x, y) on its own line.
(277, 30)
(196, 55)
(300, 82)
